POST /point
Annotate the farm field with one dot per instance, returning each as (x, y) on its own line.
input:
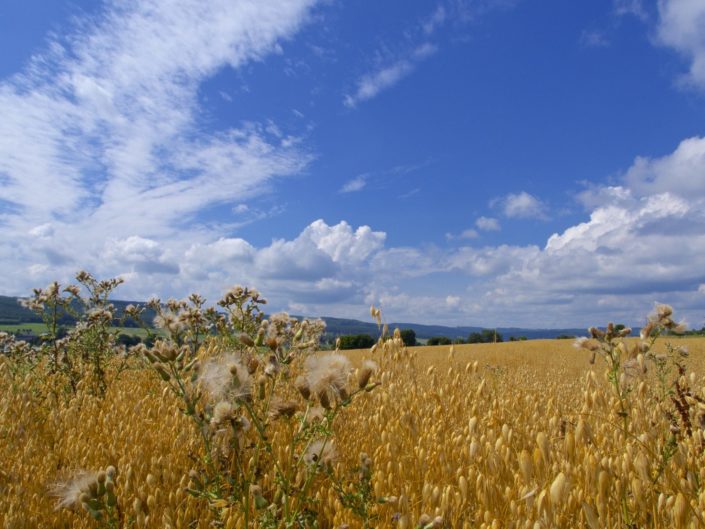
(39, 328)
(515, 435)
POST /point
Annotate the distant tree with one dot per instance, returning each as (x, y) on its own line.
(438, 340)
(356, 341)
(475, 337)
(128, 340)
(485, 336)
(459, 340)
(620, 327)
(565, 337)
(408, 336)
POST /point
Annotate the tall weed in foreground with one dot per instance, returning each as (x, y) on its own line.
(73, 359)
(263, 403)
(662, 455)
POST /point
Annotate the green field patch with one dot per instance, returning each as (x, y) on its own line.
(39, 328)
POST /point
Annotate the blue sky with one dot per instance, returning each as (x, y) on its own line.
(490, 162)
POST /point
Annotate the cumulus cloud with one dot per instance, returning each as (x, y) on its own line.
(681, 26)
(522, 205)
(680, 172)
(643, 242)
(487, 224)
(140, 255)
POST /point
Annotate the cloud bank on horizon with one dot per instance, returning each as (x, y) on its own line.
(115, 158)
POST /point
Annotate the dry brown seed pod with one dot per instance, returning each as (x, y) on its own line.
(252, 365)
(424, 520)
(244, 338)
(365, 373)
(303, 387)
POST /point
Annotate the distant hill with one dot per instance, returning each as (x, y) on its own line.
(338, 326)
(11, 312)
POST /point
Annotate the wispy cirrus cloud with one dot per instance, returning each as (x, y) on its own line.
(594, 39)
(634, 8)
(355, 184)
(101, 136)
(372, 83)
(421, 41)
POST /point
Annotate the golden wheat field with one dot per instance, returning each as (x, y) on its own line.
(514, 435)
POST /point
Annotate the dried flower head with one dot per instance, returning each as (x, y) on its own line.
(225, 378)
(327, 373)
(282, 408)
(320, 453)
(366, 371)
(302, 386)
(316, 413)
(71, 493)
(223, 411)
(586, 343)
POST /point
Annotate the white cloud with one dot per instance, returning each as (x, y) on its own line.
(681, 172)
(465, 234)
(103, 165)
(682, 26)
(435, 20)
(638, 246)
(487, 224)
(390, 70)
(342, 244)
(631, 7)
(356, 184)
(453, 301)
(522, 205)
(43, 231)
(593, 39)
(100, 136)
(371, 84)
(595, 196)
(139, 255)
(468, 234)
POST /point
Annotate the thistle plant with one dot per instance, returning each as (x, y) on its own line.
(262, 401)
(624, 362)
(626, 367)
(93, 492)
(82, 352)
